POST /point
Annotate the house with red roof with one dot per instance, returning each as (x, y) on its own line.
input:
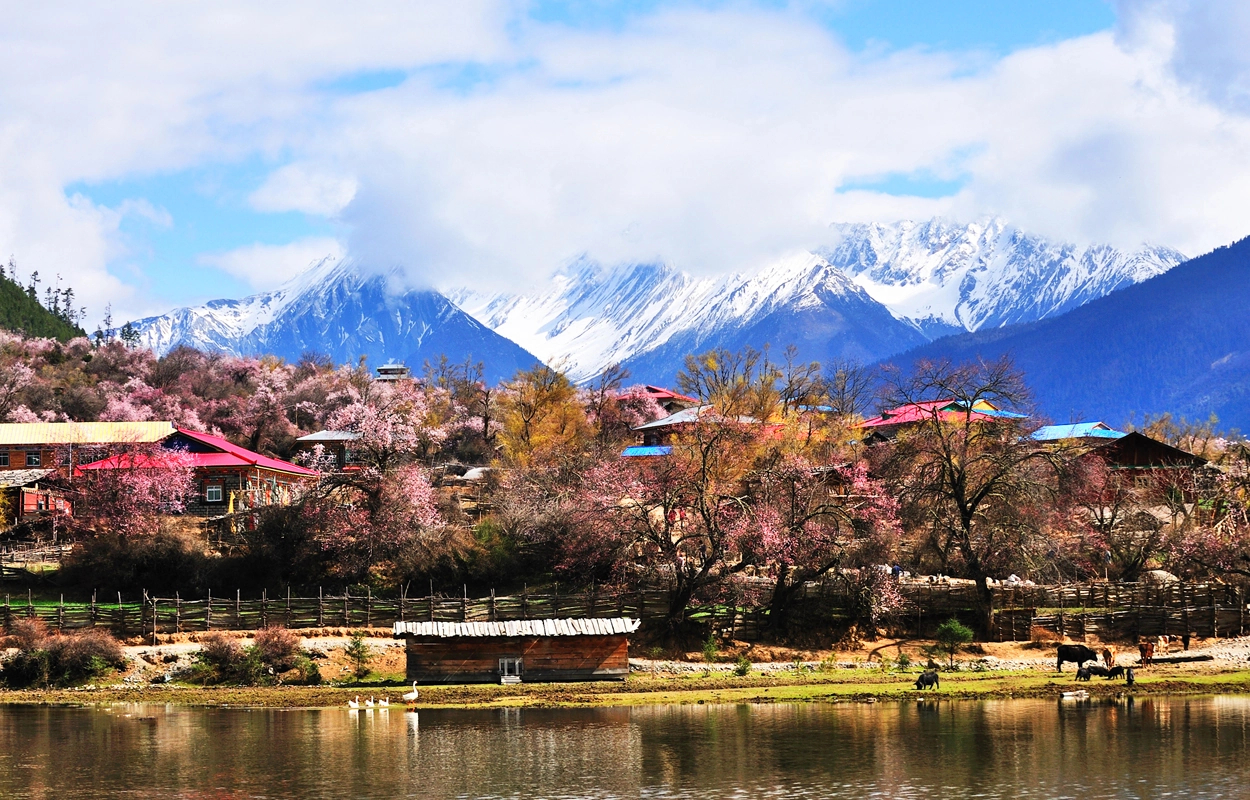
(228, 478)
(670, 401)
(886, 426)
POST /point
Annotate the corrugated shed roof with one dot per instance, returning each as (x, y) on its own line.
(583, 626)
(639, 450)
(1076, 430)
(228, 455)
(51, 433)
(10, 478)
(329, 436)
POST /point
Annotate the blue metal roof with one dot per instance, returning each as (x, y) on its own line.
(1076, 430)
(641, 450)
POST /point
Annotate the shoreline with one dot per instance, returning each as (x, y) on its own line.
(838, 686)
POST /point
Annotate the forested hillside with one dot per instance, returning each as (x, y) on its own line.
(21, 311)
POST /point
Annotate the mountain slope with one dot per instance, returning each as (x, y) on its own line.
(334, 309)
(1179, 342)
(21, 312)
(878, 290)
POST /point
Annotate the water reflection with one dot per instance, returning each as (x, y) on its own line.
(1148, 748)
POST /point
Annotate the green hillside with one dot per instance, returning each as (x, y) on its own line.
(20, 312)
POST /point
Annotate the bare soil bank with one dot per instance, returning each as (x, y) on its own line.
(843, 685)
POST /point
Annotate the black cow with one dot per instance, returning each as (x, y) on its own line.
(928, 678)
(1098, 670)
(1129, 677)
(1076, 653)
(1115, 672)
(1082, 674)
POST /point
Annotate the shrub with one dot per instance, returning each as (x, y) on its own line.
(903, 661)
(359, 654)
(277, 647)
(710, 651)
(950, 637)
(742, 667)
(59, 660)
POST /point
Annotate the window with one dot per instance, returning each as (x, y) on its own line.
(212, 494)
(510, 667)
(4, 459)
(33, 458)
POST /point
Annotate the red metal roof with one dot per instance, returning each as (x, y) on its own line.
(919, 412)
(231, 455)
(660, 393)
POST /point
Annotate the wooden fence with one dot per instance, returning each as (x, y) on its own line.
(1105, 611)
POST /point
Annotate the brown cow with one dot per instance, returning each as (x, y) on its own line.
(1108, 656)
(1147, 650)
(1164, 644)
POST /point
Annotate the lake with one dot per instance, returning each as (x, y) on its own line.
(1148, 748)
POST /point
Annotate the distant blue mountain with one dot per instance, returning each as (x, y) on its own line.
(1178, 342)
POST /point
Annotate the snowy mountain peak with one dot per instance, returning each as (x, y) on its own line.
(935, 277)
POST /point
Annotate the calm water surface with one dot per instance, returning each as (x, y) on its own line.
(1155, 748)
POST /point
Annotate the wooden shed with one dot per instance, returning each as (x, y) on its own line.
(583, 649)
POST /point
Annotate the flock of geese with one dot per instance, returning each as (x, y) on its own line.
(410, 698)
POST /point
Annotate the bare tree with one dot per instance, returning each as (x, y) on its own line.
(972, 483)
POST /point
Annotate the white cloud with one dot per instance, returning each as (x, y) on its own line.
(296, 187)
(266, 266)
(711, 138)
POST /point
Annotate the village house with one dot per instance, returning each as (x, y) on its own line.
(338, 444)
(228, 478)
(657, 436)
(886, 426)
(581, 649)
(63, 446)
(27, 496)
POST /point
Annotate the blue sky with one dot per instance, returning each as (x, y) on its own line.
(217, 153)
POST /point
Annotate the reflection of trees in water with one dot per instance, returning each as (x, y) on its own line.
(996, 748)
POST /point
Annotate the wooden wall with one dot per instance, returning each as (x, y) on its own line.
(554, 658)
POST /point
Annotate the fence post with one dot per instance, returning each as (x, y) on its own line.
(347, 611)
(30, 605)
(321, 608)
(525, 603)
(8, 617)
(368, 606)
(177, 612)
(264, 607)
(208, 612)
(93, 608)
(288, 605)
(464, 604)
(403, 591)
(238, 617)
(492, 604)
(60, 615)
(121, 617)
(1241, 612)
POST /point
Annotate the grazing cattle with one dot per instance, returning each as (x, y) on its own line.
(1098, 669)
(1129, 677)
(1114, 672)
(1082, 674)
(1108, 656)
(1147, 650)
(1164, 644)
(1076, 653)
(928, 678)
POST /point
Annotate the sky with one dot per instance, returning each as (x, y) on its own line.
(154, 159)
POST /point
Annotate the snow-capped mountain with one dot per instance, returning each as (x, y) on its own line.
(336, 309)
(649, 317)
(877, 290)
(951, 278)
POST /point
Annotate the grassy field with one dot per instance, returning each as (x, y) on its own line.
(825, 687)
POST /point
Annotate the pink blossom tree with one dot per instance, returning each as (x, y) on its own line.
(131, 489)
(806, 521)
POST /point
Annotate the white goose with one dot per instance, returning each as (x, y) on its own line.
(384, 702)
(411, 697)
(354, 703)
(369, 702)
